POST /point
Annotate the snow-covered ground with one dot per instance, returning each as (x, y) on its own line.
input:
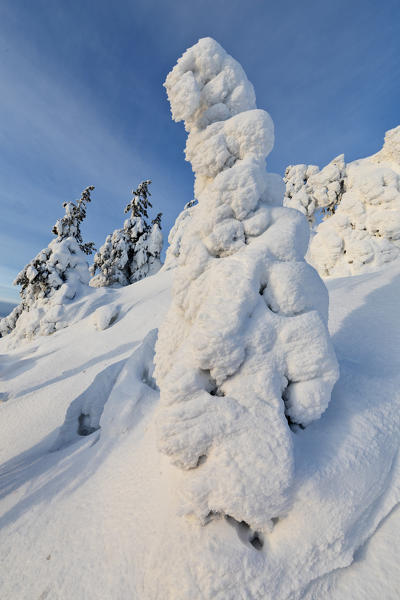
(88, 505)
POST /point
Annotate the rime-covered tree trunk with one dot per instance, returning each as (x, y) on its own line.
(244, 354)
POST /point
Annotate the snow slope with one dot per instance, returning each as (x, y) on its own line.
(96, 516)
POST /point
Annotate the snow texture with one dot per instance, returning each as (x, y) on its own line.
(244, 349)
(308, 189)
(133, 252)
(364, 232)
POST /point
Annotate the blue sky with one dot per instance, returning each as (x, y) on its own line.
(82, 102)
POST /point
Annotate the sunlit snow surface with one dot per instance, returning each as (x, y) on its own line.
(88, 506)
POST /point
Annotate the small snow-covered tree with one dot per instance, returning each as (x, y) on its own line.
(309, 189)
(244, 352)
(133, 252)
(176, 234)
(53, 277)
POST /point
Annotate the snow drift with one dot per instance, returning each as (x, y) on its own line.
(244, 349)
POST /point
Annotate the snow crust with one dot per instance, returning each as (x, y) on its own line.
(71, 504)
(244, 348)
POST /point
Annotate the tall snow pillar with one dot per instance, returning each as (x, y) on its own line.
(244, 357)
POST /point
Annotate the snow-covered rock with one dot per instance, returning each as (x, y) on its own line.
(244, 348)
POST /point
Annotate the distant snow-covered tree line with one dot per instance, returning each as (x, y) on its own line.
(58, 273)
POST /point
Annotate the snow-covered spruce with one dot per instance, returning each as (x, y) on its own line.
(244, 348)
(55, 276)
(309, 189)
(70, 224)
(364, 232)
(133, 252)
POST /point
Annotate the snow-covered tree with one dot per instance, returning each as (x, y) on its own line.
(364, 232)
(133, 252)
(309, 189)
(244, 352)
(176, 234)
(53, 277)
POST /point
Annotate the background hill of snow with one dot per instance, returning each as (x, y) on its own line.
(97, 515)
